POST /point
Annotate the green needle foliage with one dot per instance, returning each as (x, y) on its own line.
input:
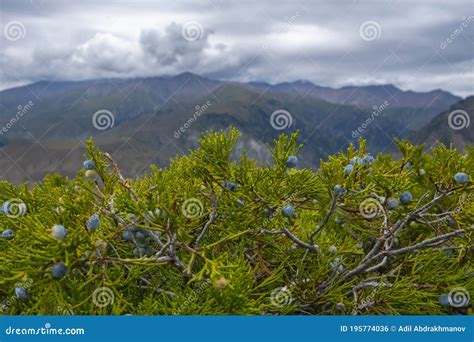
(208, 236)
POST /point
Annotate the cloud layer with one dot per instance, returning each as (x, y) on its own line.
(420, 46)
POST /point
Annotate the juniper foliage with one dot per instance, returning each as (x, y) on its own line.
(179, 241)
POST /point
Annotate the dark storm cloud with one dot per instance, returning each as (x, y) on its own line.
(420, 46)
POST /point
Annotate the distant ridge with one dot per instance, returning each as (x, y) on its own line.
(453, 126)
(156, 118)
(367, 96)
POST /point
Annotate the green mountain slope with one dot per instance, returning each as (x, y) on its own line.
(155, 119)
(452, 126)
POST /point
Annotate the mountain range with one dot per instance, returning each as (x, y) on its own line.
(143, 121)
(449, 127)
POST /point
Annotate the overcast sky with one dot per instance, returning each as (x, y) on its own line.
(417, 45)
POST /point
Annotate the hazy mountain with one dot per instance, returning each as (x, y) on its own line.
(451, 126)
(367, 96)
(149, 112)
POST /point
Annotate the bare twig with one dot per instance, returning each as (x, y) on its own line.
(292, 237)
(300, 243)
(212, 218)
(172, 239)
(376, 267)
(395, 228)
(122, 180)
(332, 206)
(422, 198)
(274, 232)
(364, 266)
(426, 243)
(156, 238)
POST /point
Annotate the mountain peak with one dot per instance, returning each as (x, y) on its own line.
(388, 86)
(186, 74)
(303, 83)
(259, 83)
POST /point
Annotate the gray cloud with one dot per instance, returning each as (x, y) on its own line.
(171, 47)
(419, 46)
